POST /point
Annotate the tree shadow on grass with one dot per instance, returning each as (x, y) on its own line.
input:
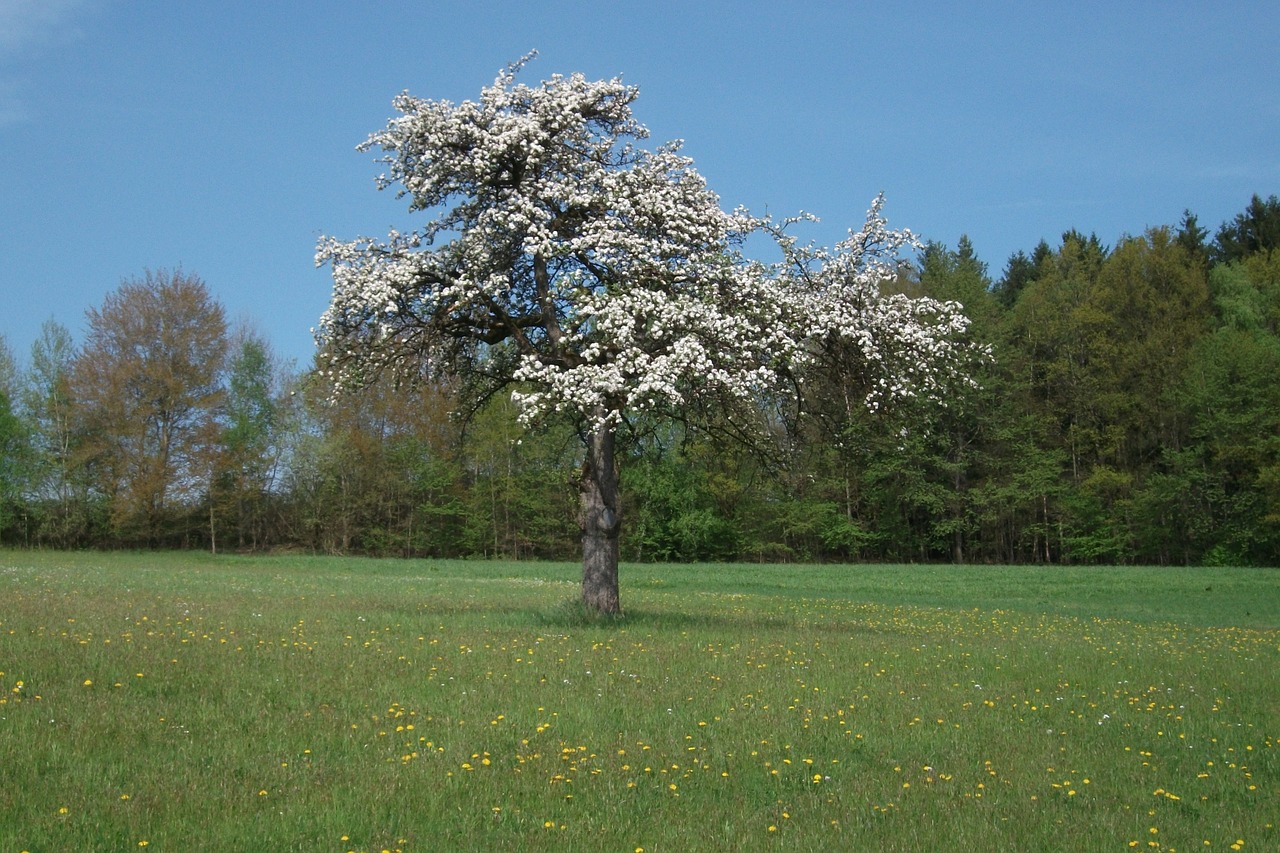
(572, 614)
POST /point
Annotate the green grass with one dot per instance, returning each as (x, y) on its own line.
(303, 703)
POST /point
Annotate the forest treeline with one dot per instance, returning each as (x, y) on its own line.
(1128, 412)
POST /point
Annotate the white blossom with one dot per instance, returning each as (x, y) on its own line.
(601, 278)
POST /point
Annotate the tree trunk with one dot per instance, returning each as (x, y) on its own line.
(600, 522)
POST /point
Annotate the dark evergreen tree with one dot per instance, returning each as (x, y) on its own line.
(1193, 238)
(1256, 230)
(1019, 271)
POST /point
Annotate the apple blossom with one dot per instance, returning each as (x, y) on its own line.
(600, 279)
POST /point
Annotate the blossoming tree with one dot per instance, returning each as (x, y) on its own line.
(600, 280)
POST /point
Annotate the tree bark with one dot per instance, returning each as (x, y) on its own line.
(600, 521)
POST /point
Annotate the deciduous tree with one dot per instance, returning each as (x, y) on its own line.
(146, 387)
(15, 457)
(58, 488)
(599, 280)
(248, 447)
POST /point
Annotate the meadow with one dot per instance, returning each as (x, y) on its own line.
(189, 702)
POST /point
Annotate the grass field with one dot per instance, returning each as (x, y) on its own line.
(184, 702)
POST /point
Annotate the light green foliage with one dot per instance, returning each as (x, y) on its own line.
(1056, 330)
(13, 457)
(47, 400)
(322, 704)
(1227, 475)
(1099, 345)
(1214, 496)
(15, 449)
(959, 276)
(685, 506)
(1238, 302)
(248, 450)
(521, 500)
(8, 369)
(250, 408)
(1263, 271)
(1154, 306)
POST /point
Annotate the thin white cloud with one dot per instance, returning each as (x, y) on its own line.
(27, 26)
(31, 23)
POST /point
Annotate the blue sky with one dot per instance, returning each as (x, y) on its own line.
(219, 136)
